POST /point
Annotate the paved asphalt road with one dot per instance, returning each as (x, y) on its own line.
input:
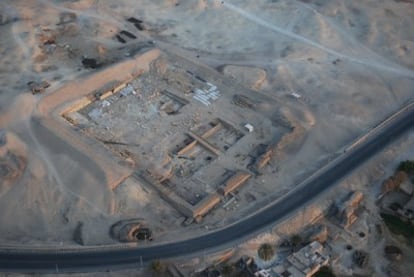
(87, 260)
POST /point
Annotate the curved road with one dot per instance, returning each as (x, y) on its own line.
(92, 260)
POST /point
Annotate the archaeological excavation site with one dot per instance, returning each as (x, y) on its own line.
(191, 135)
(207, 137)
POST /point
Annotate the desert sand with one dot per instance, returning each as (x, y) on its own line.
(351, 63)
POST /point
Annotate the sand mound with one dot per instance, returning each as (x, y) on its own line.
(251, 77)
(9, 142)
(126, 230)
(12, 167)
(300, 115)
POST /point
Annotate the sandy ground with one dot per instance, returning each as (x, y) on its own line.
(367, 179)
(351, 62)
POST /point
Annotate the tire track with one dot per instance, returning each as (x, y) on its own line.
(26, 51)
(396, 70)
(346, 35)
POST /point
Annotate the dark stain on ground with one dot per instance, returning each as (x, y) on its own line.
(90, 63)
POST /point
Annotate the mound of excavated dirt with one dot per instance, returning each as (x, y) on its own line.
(252, 77)
(12, 167)
(129, 230)
(300, 114)
(13, 161)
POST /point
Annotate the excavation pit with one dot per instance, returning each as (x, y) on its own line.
(182, 140)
